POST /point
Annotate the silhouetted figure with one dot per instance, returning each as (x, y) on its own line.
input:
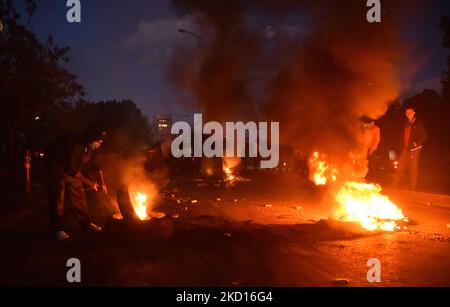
(414, 136)
(371, 137)
(66, 158)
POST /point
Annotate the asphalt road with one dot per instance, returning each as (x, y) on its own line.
(272, 231)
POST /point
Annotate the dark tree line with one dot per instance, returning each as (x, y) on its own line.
(40, 100)
(32, 79)
(128, 129)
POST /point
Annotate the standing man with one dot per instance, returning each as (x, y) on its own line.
(66, 159)
(371, 137)
(414, 136)
(368, 140)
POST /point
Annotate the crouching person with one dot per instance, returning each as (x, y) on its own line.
(66, 158)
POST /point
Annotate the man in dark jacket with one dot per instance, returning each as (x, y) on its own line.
(414, 136)
(66, 159)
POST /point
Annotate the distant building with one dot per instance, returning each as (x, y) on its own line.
(161, 126)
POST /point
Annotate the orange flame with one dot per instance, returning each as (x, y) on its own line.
(229, 174)
(321, 172)
(140, 205)
(364, 203)
(358, 202)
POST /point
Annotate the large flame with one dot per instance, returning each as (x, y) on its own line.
(364, 203)
(140, 205)
(358, 202)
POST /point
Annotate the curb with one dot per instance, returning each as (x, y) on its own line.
(422, 198)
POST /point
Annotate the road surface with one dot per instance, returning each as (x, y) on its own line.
(272, 231)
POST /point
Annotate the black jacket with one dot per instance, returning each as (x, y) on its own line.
(417, 137)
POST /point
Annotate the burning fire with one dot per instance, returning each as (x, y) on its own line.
(358, 202)
(364, 203)
(140, 206)
(229, 174)
(229, 168)
(321, 171)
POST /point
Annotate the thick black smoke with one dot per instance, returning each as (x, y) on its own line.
(316, 75)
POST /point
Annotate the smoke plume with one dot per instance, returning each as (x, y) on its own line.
(314, 66)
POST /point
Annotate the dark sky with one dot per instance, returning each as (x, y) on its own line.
(121, 48)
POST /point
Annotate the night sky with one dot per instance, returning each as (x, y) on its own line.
(121, 48)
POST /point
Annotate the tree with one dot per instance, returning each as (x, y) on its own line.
(128, 129)
(32, 80)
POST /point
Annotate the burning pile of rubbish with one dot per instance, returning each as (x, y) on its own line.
(356, 201)
(229, 166)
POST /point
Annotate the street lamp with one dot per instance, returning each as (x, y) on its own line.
(199, 38)
(1, 26)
